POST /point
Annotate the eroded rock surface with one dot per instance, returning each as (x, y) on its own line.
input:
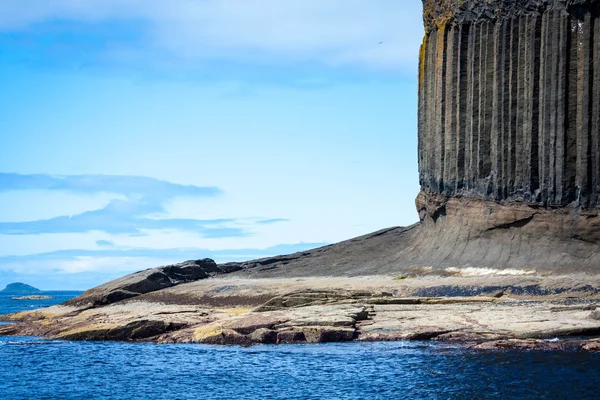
(509, 101)
(319, 310)
(509, 134)
(147, 281)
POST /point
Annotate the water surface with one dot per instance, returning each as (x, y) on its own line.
(400, 370)
(8, 306)
(36, 369)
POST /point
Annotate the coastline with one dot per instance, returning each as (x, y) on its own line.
(491, 312)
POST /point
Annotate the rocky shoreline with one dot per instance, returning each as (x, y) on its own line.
(548, 313)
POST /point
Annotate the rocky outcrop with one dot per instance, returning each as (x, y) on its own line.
(509, 134)
(325, 310)
(147, 281)
(509, 101)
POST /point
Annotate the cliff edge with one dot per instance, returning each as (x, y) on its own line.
(509, 133)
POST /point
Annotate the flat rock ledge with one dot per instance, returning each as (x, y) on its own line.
(320, 310)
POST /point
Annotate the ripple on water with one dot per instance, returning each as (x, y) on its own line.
(411, 370)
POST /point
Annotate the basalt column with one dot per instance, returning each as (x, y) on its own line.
(509, 123)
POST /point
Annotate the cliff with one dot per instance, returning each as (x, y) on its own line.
(509, 101)
(509, 129)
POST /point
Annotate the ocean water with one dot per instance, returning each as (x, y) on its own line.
(34, 369)
(8, 306)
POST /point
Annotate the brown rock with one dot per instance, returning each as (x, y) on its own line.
(264, 336)
(148, 281)
(227, 337)
(529, 345)
(291, 337)
(325, 334)
(466, 336)
(135, 330)
(254, 321)
(592, 346)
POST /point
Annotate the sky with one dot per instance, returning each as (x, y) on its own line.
(139, 133)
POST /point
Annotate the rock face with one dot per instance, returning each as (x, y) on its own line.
(148, 281)
(509, 102)
(509, 132)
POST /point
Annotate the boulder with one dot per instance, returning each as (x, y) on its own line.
(291, 337)
(227, 337)
(326, 334)
(264, 336)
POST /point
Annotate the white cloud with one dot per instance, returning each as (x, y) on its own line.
(99, 264)
(330, 32)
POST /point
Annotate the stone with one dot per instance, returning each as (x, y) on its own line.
(467, 336)
(551, 310)
(254, 321)
(509, 133)
(291, 337)
(264, 336)
(529, 345)
(135, 330)
(148, 281)
(592, 346)
(227, 337)
(326, 334)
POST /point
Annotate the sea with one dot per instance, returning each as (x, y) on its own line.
(31, 368)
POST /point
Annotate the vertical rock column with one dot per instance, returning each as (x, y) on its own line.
(509, 105)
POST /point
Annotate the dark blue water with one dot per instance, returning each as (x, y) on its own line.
(34, 369)
(8, 306)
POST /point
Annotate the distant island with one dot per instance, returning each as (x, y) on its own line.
(20, 288)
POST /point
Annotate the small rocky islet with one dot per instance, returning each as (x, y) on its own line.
(506, 254)
(32, 297)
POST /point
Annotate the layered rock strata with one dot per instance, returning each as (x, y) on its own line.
(509, 133)
(493, 313)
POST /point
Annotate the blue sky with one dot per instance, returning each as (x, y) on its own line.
(143, 132)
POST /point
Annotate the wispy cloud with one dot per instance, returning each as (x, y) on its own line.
(272, 221)
(120, 184)
(82, 269)
(180, 254)
(142, 209)
(121, 217)
(337, 33)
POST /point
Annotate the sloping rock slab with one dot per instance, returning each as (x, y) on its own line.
(136, 330)
(147, 281)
